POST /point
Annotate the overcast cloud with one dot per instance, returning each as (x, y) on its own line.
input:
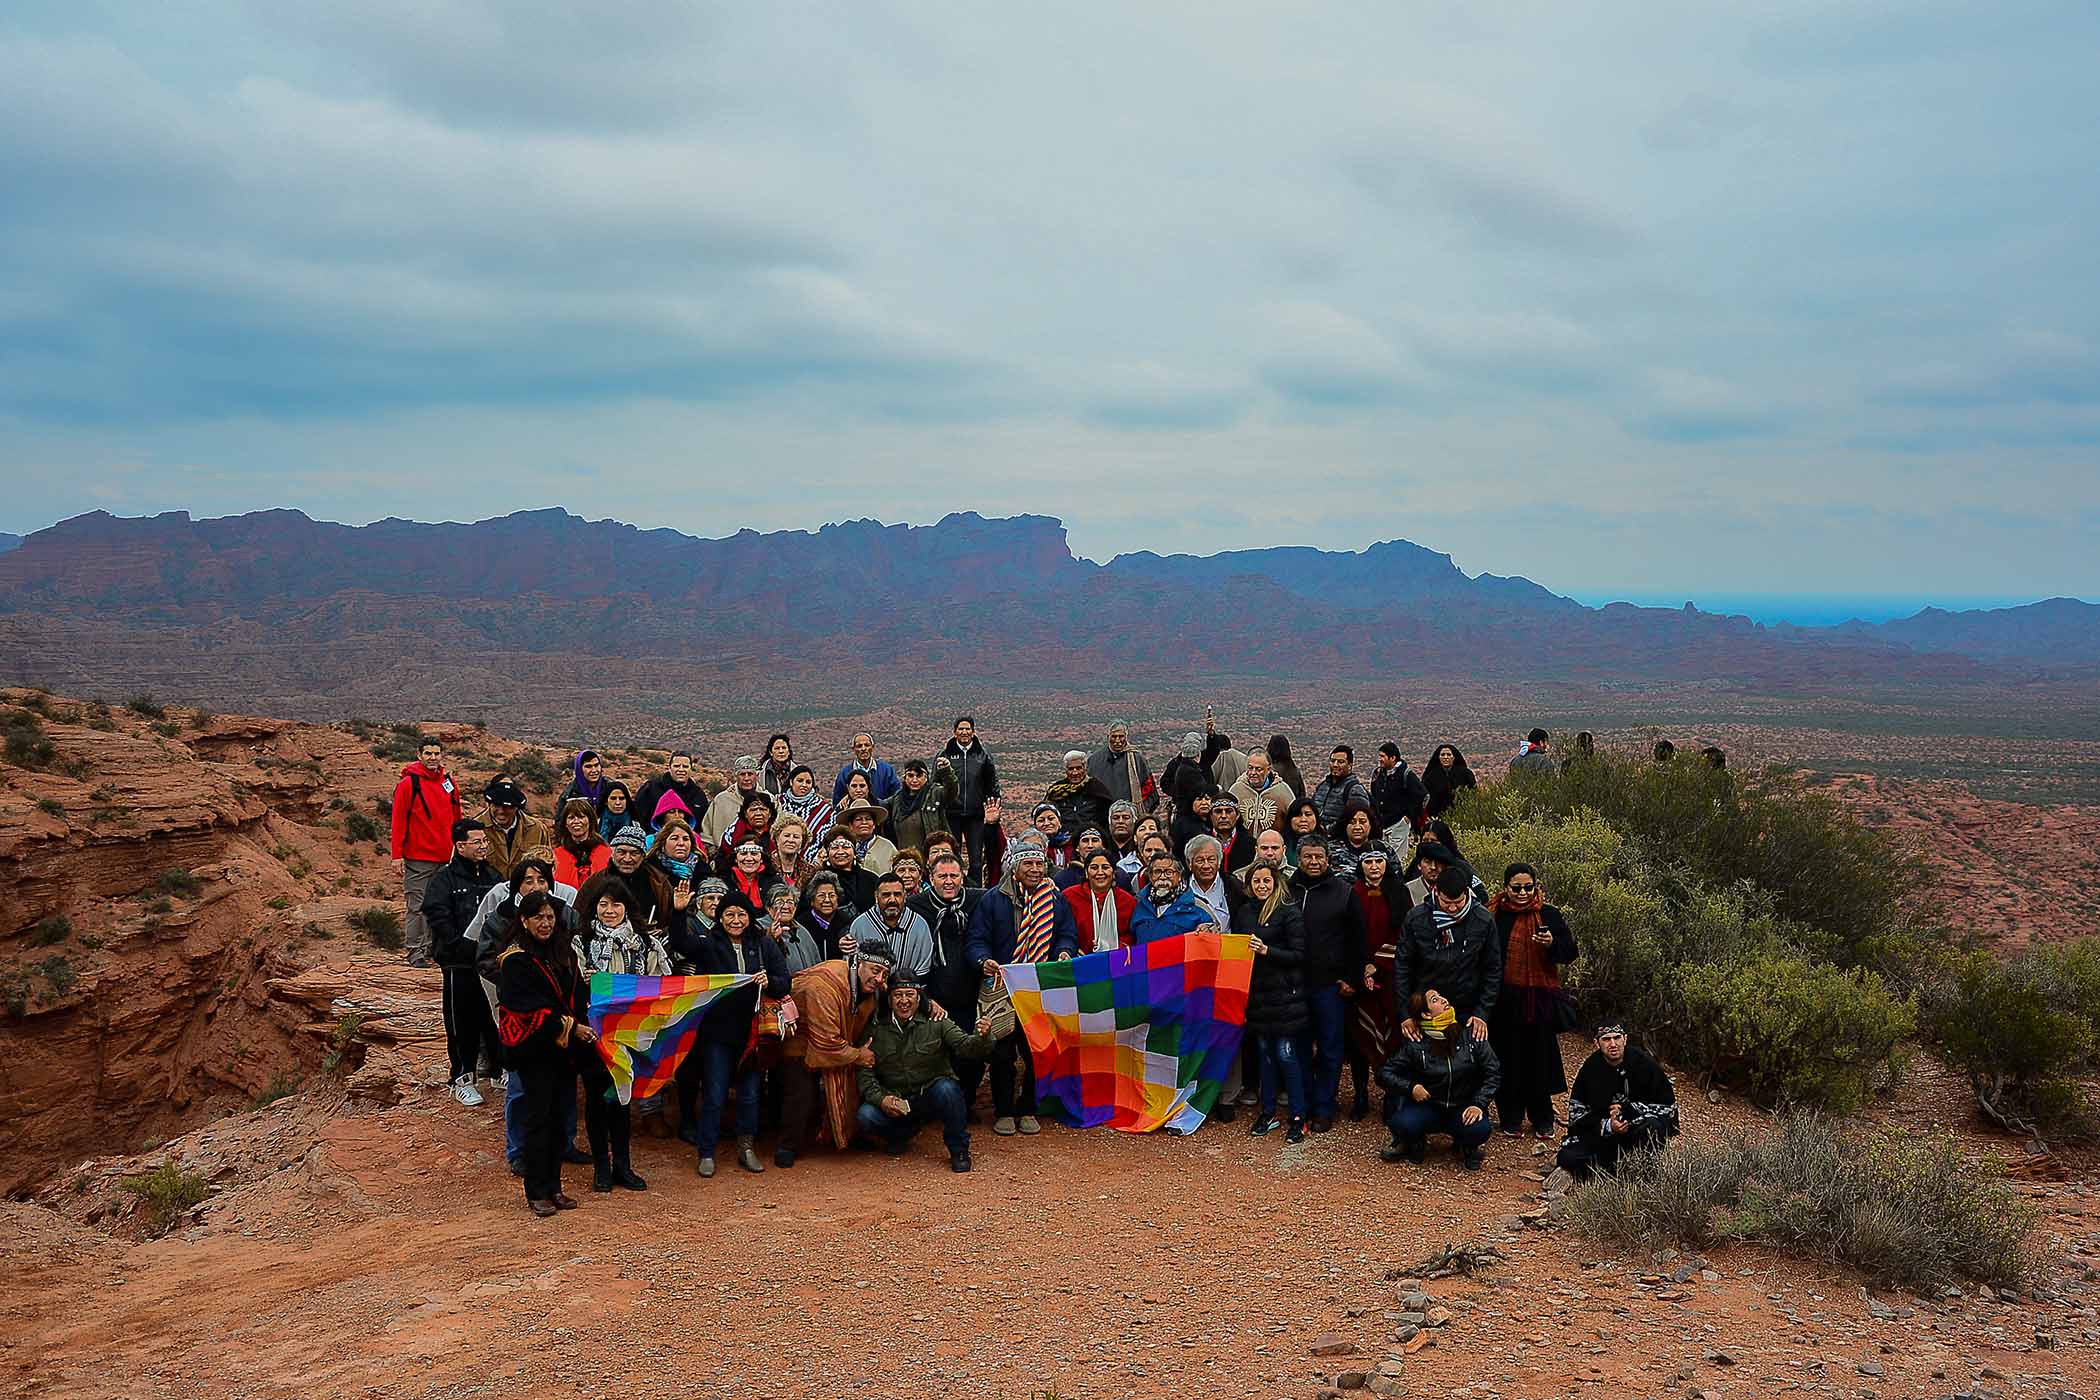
(1791, 297)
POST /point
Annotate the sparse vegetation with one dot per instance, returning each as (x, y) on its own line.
(201, 718)
(380, 925)
(1905, 1208)
(281, 1086)
(535, 773)
(146, 707)
(23, 742)
(52, 928)
(99, 717)
(179, 882)
(167, 728)
(340, 1041)
(359, 827)
(398, 743)
(165, 1193)
(51, 807)
(278, 901)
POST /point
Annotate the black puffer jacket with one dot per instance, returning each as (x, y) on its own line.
(1276, 998)
(975, 778)
(1469, 1075)
(1334, 929)
(1467, 970)
(449, 904)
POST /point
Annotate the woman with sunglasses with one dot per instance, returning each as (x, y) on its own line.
(1533, 1008)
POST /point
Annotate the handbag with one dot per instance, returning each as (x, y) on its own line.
(995, 1005)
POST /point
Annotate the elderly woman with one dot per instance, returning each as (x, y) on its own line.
(1533, 1008)
(791, 858)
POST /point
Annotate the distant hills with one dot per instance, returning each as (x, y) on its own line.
(276, 609)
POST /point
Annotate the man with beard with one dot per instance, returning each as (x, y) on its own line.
(1621, 1102)
(909, 936)
(1122, 771)
(1262, 796)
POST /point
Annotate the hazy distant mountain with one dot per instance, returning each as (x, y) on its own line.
(297, 616)
(2058, 632)
(8, 542)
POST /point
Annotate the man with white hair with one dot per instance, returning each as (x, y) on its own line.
(1122, 770)
(1082, 800)
(882, 779)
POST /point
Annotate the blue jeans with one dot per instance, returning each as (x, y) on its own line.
(1283, 1059)
(718, 1070)
(942, 1099)
(1412, 1122)
(514, 1119)
(1330, 1043)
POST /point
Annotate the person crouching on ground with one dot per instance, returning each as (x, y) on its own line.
(1622, 1102)
(913, 1078)
(545, 1029)
(1441, 1083)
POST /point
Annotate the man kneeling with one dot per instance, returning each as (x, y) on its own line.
(1441, 1083)
(1622, 1102)
(913, 1077)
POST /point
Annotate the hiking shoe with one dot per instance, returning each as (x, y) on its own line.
(707, 1166)
(576, 1156)
(1473, 1160)
(563, 1200)
(1028, 1125)
(1224, 1112)
(463, 1089)
(1264, 1126)
(543, 1209)
(627, 1178)
(601, 1179)
(1416, 1152)
(783, 1156)
(1297, 1132)
(1322, 1124)
(1004, 1127)
(959, 1161)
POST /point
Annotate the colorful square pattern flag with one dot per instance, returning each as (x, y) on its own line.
(1136, 1038)
(646, 1025)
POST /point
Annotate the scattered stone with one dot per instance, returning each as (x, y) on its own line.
(1438, 1317)
(1407, 1332)
(1352, 1380)
(1420, 1340)
(1719, 1358)
(1870, 1368)
(1328, 1344)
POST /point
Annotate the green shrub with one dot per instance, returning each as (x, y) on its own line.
(359, 827)
(146, 707)
(1905, 1208)
(51, 807)
(281, 1086)
(1826, 871)
(99, 718)
(1787, 1030)
(381, 926)
(165, 1193)
(399, 743)
(534, 773)
(58, 971)
(2024, 1031)
(53, 928)
(23, 743)
(341, 1041)
(200, 718)
(179, 882)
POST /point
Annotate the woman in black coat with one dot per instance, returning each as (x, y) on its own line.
(737, 945)
(1444, 775)
(1532, 1008)
(543, 1021)
(1277, 1014)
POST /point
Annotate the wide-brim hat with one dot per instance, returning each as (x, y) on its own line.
(880, 813)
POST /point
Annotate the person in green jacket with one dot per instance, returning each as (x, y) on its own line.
(913, 1078)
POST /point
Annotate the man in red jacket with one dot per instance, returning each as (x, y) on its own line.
(426, 804)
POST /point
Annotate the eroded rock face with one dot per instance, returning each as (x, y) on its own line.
(153, 887)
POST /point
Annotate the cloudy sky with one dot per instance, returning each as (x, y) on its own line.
(1795, 297)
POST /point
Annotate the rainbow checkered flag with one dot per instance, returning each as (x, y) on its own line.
(646, 1025)
(1136, 1038)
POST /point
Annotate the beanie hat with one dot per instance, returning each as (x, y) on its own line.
(1191, 744)
(631, 836)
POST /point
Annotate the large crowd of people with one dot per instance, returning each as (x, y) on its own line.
(872, 910)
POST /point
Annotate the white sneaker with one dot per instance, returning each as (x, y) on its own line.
(463, 1089)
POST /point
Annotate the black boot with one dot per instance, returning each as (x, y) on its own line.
(626, 1176)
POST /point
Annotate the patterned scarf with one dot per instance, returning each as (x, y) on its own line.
(1525, 965)
(1038, 919)
(1445, 922)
